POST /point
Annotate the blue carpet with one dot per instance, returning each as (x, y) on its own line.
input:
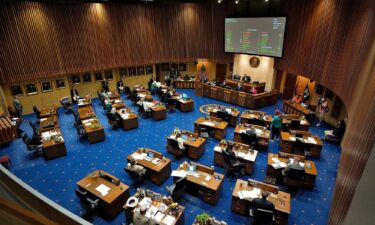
(57, 178)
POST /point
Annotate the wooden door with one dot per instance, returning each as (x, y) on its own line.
(289, 86)
(221, 70)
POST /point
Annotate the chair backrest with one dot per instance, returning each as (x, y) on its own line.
(131, 172)
(263, 216)
(249, 138)
(174, 143)
(294, 124)
(295, 174)
(222, 115)
(180, 184)
(127, 90)
(299, 146)
(258, 121)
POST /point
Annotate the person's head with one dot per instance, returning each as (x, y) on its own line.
(143, 209)
(223, 143)
(277, 112)
(264, 194)
(132, 161)
(296, 160)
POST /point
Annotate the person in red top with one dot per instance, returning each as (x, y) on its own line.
(253, 91)
(297, 99)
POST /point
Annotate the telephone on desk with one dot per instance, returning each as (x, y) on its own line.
(109, 178)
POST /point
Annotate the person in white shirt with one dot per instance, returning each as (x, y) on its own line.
(147, 106)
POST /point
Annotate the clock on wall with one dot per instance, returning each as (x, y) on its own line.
(254, 62)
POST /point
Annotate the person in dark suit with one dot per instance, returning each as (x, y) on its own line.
(105, 85)
(74, 93)
(120, 86)
(246, 78)
(239, 87)
(261, 205)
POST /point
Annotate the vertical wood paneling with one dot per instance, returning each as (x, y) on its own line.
(42, 40)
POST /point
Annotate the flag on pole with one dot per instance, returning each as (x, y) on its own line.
(306, 93)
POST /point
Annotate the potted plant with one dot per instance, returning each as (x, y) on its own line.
(202, 219)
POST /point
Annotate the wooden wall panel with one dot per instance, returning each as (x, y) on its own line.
(41, 40)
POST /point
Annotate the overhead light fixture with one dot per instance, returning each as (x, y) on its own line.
(266, 0)
(237, 1)
(219, 1)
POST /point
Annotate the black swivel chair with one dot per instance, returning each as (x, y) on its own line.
(82, 134)
(177, 189)
(294, 178)
(257, 121)
(36, 111)
(175, 148)
(261, 216)
(230, 166)
(223, 115)
(127, 91)
(87, 203)
(36, 150)
(294, 124)
(171, 105)
(137, 179)
(250, 139)
(113, 119)
(299, 147)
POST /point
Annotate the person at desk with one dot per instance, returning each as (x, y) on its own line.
(107, 104)
(74, 93)
(246, 78)
(105, 86)
(120, 86)
(138, 169)
(293, 164)
(253, 91)
(239, 87)
(147, 105)
(139, 217)
(18, 106)
(115, 114)
(336, 133)
(297, 99)
(178, 137)
(261, 210)
(228, 149)
(322, 110)
(275, 125)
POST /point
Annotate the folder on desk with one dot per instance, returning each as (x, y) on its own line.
(168, 220)
(103, 189)
(178, 173)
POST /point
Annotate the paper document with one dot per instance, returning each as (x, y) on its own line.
(178, 173)
(103, 189)
(250, 157)
(276, 160)
(292, 138)
(208, 123)
(258, 131)
(137, 156)
(302, 164)
(311, 140)
(217, 148)
(282, 164)
(159, 216)
(168, 220)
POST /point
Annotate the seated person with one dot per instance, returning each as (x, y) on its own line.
(107, 104)
(338, 132)
(297, 99)
(177, 136)
(115, 114)
(228, 149)
(246, 78)
(120, 86)
(239, 87)
(147, 105)
(139, 217)
(138, 169)
(293, 164)
(253, 91)
(260, 208)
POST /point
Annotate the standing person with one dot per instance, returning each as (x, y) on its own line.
(75, 94)
(120, 86)
(18, 106)
(322, 110)
(105, 85)
(276, 125)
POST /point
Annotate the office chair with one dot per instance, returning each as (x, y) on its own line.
(66, 104)
(294, 124)
(230, 166)
(294, 178)
(137, 179)
(175, 149)
(299, 147)
(171, 105)
(257, 121)
(261, 216)
(223, 115)
(141, 111)
(203, 132)
(113, 119)
(88, 204)
(36, 150)
(127, 91)
(36, 111)
(82, 134)
(177, 189)
(250, 139)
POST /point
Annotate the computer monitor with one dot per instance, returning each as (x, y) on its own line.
(150, 154)
(192, 168)
(184, 136)
(184, 96)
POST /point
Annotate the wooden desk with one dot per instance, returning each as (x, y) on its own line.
(156, 172)
(48, 123)
(111, 203)
(250, 116)
(159, 112)
(184, 84)
(310, 168)
(117, 103)
(233, 116)
(280, 199)
(243, 99)
(86, 112)
(155, 200)
(113, 94)
(218, 127)
(139, 89)
(129, 120)
(84, 102)
(243, 152)
(48, 111)
(53, 144)
(287, 141)
(195, 145)
(184, 105)
(8, 130)
(262, 133)
(210, 190)
(246, 86)
(290, 107)
(94, 130)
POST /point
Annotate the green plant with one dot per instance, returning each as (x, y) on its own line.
(202, 218)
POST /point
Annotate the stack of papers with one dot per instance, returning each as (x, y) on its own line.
(250, 157)
(178, 173)
(258, 131)
(155, 161)
(277, 164)
(103, 189)
(292, 138)
(159, 216)
(168, 220)
(255, 193)
(311, 140)
(217, 148)
(209, 123)
(137, 156)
